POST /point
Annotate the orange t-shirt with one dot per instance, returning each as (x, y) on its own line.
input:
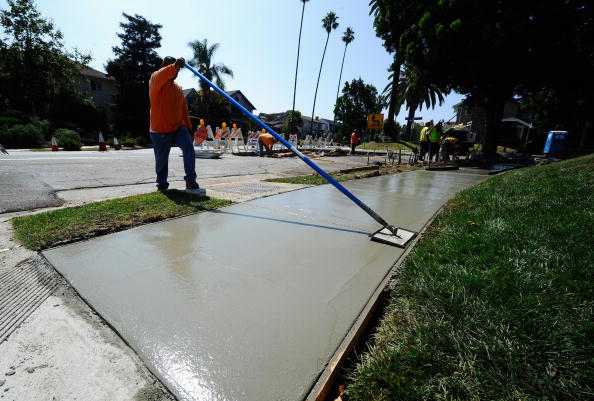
(267, 139)
(169, 110)
(354, 138)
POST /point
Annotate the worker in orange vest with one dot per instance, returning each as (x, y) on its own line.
(354, 141)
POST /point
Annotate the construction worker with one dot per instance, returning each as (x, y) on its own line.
(424, 141)
(266, 141)
(434, 140)
(170, 123)
(354, 141)
(448, 145)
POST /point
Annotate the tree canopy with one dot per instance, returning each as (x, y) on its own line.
(358, 100)
(136, 59)
(34, 66)
(495, 50)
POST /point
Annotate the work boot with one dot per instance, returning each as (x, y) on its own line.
(192, 185)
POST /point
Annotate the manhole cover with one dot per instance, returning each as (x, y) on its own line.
(249, 189)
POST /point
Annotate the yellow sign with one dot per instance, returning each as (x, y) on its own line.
(375, 121)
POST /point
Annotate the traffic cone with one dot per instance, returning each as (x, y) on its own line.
(102, 146)
(54, 144)
(116, 144)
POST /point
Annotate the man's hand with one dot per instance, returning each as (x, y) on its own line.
(179, 63)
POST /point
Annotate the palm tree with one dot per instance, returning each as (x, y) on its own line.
(416, 92)
(297, 64)
(203, 59)
(329, 23)
(347, 38)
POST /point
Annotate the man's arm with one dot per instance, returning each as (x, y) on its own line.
(160, 77)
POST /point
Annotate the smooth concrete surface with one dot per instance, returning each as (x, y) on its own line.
(249, 302)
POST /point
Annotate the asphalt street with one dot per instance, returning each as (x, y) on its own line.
(31, 180)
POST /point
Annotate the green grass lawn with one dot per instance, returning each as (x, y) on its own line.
(404, 145)
(496, 301)
(316, 179)
(40, 231)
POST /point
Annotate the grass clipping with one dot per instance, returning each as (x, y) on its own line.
(40, 231)
(497, 300)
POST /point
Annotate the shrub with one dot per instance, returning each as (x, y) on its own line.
(16, 114)
(21, 136)
(9, 121)
(127, 141)
(68, 139)
(142, 140)
(43, 126)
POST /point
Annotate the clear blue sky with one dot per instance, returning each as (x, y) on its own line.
(258, 41)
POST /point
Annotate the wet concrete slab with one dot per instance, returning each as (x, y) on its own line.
(249, 302)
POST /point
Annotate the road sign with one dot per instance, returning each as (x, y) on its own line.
(375, 121)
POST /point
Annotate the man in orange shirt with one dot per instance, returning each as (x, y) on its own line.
(266, 140)
(170, 123)
(354, 141)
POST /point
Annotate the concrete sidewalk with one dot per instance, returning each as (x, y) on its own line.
(250, 301)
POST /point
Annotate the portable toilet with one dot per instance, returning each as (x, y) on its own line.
(555, 143)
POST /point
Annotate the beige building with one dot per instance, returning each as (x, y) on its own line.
(101, 88)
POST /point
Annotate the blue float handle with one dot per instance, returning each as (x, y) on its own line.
(293, 149)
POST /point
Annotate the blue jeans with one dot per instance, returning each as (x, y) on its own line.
(163, 143)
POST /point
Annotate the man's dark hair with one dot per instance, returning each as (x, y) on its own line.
(168, 60)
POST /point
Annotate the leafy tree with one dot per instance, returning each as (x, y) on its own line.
(358, 100)
(392, 19)
(203, 58)
(293, 121)
(329, 23)
(297, 63)
(34, 67)
(132, 67)
(347, 38)
(504, 49)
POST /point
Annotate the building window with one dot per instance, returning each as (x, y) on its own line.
(95, 85)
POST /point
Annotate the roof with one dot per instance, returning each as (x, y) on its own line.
(235, 92)
(316, 120)
(93, 73)
(188, 91)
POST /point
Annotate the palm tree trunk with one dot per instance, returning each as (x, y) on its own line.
(411, 116)
(339, 79)
(393, 99)
(318, 83)
(297, 66)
